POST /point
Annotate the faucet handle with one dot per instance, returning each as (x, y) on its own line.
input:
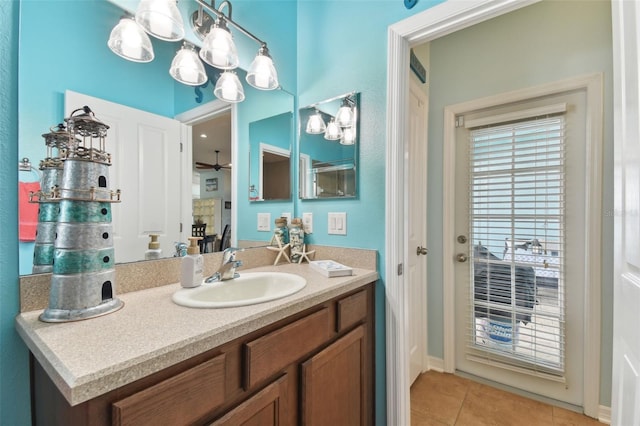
(230, 253)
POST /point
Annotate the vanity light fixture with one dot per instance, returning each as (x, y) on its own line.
(161, 19)
(333, 131)
(315, 124)
(186, 66)
(129, 41)
(219, 50)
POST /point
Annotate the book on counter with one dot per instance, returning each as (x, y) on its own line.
(329, 268)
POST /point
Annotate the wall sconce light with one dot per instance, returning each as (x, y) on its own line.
(333, 131)
(186, 66)
(344, 116)
(348, 136)
(162, 19)
(315, 124)
(129, 41)
(228, 88)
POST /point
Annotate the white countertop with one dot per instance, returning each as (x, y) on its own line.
(88, 358)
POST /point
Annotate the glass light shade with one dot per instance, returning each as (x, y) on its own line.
(262, 74)
(348, 136)
(315, 124)
(344, 117)
(130, 42)
(228, 88)
(187, 68)
(219, 50)
(333, 132)
(161, 19)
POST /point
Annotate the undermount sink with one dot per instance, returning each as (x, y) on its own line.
(248, 289)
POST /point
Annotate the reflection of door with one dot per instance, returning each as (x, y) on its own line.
(520, 280)
(625, 409)
(147, 169)
(417, 261)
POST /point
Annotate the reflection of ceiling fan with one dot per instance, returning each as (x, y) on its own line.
(215, 167)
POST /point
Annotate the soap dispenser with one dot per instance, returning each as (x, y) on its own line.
(154, 251)
(192, 265)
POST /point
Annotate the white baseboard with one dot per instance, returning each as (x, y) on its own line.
(436, 364)
(604, 414)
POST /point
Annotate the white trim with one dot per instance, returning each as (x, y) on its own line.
(516, 115)
(604, 414)
(436, 364)
(202, 113)
(593, 84)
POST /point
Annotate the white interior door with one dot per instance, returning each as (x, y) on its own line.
(625, 408)
(147, 168)
(536, 342)
(417, 210)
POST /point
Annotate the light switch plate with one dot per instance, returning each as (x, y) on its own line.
(307, 223)
(264, 222)
(337, 223)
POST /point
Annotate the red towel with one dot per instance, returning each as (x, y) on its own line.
(27, 212)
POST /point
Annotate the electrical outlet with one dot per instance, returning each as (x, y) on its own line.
(307, 223)
(337, 223)
(264, 222)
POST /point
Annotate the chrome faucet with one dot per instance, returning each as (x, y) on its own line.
(227, 270)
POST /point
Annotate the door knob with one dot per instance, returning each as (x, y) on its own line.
(461, 257)
(421, 250)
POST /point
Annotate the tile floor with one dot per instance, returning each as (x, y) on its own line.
(447, 399)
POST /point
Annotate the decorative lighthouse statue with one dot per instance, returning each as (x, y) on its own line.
(56, 140)
(83, 281)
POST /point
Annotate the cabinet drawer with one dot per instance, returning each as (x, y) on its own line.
(272, 352)
(351, 310)
(181, 399)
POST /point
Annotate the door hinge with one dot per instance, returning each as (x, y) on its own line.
(180, 227)
(180, 146)
(400, 268)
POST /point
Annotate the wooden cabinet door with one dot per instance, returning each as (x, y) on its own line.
(332, 388)
(266, 408)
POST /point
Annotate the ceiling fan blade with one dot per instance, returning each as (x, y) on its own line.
(200, 165)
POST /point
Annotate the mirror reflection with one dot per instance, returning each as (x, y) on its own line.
(328, 146)
(270, 158)
(89, 67)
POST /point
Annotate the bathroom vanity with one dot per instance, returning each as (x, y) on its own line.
(307, 358)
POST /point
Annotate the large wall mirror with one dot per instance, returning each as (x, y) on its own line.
(62, 61)
(270, 141)
(328, 148)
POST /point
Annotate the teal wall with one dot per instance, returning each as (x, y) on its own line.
(342, 47)
(508, 53)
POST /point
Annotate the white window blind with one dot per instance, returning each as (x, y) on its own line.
(516, 205)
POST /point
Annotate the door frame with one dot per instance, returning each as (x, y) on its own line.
(593, 86)
(422, 27)
(189, 119)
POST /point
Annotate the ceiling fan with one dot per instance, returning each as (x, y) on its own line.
(215, 167)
